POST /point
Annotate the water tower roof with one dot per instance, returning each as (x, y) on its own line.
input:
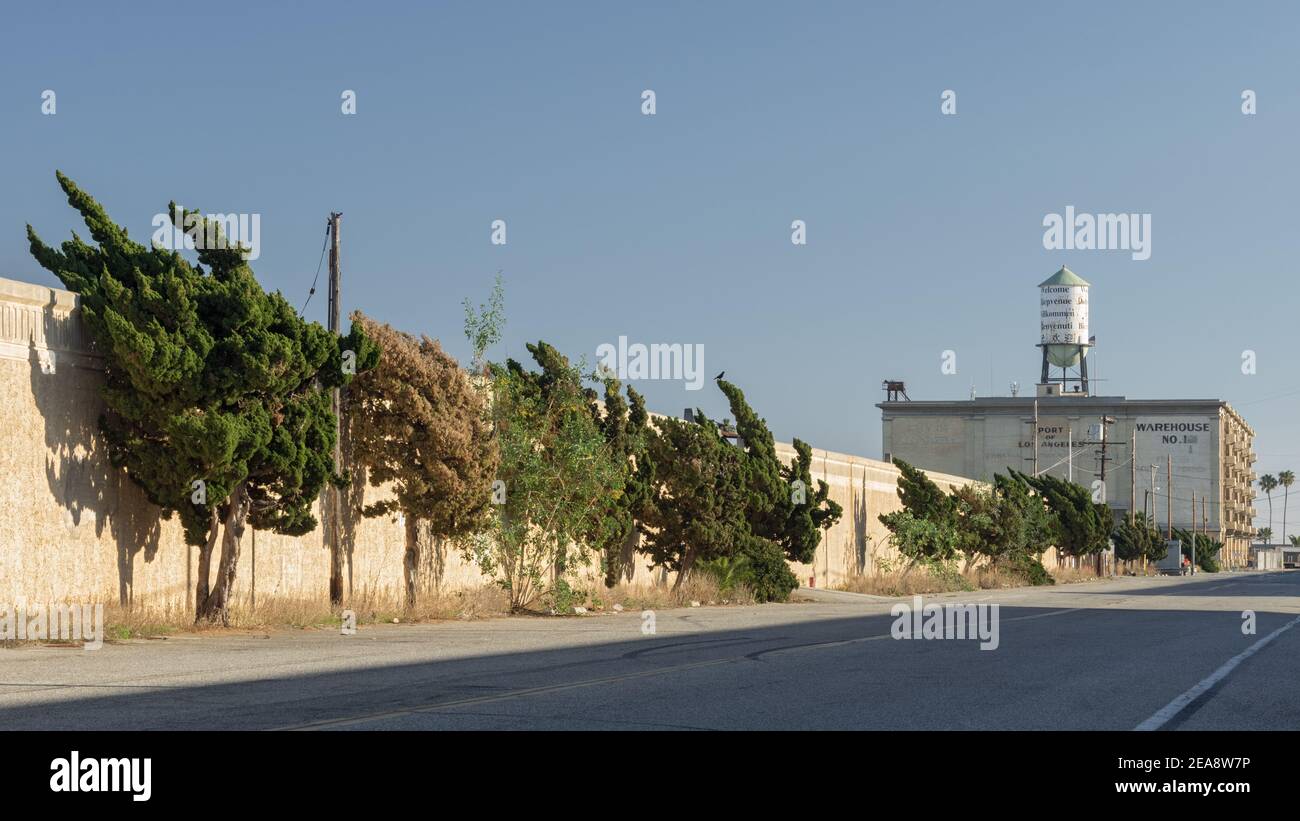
(1064, 277)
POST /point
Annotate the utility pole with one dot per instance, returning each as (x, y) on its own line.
(1152, 493)
(1133, 476)
(1205, 521)
(1169, 494)
(1192, 531)
(1106, 422)
(1036, 437)
(333, 533)
(1069, 452)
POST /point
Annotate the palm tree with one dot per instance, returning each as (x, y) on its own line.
(1267, 483)
(1295, 540)
(1286, 478)
(1266, 535)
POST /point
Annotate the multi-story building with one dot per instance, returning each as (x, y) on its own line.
(1182, 461)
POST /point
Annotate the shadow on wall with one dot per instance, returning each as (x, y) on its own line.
(860, 528)
(433, 559)
(77, 469)
(354, 498)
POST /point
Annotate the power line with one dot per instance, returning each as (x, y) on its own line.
(324, 245)
(1265, 399)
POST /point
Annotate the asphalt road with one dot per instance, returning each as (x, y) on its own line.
(1164, 653)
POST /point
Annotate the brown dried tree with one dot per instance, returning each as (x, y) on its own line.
(417, 421)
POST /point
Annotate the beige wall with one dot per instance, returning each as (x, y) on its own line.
(73, 528)
(865, 488)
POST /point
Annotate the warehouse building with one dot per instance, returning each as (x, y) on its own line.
(1185, 462)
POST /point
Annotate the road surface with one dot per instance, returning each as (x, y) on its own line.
(1166, 653)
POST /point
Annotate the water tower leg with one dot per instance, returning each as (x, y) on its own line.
(1083, 372)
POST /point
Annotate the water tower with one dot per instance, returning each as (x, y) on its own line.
(1063, 322)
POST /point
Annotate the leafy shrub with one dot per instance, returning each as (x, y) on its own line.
(727, 571)
(768, 575)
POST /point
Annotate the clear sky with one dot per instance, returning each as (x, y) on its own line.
(924, 231)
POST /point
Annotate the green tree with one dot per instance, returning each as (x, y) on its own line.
(1084, 526)
(1139, 539)
(921, 540)
(1041, 529)
(216, 392)
(1207, 549)
(625, 427)
(483, 325)
(782, 506)
(557, 469)
(416, 421)
(695, 509)
(1266, 535)
(1285, 478)
(925, 530)
(1000, 529)
(922, 496)
(1038, 529)
(986, 529)
(1268, 483)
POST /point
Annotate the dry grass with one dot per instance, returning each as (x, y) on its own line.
(698, 588)
(923, 581)
(920, 582)
(309, 613)
(995, 578)
(1072, 575)
(483, 602)
(896, 583)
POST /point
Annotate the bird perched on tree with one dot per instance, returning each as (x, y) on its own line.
(719, 376)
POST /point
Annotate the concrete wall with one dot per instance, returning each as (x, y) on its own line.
(1264, 558)
(865, 488)
(73, 528)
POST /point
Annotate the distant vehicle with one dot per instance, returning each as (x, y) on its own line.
(1173, 562)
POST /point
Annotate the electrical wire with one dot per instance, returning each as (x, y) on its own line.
(315, 278)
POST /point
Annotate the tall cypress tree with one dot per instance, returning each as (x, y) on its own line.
(695, 509)
(625, 425)
(710, 499)
(216, 392)
(782, 506)
(1085, 525)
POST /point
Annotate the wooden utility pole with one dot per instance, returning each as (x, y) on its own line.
(1169, 494)
(1192, 531)
(1106, 422)
(1205, 521)
(334, 531)
(1154, 499)
(1133, 476)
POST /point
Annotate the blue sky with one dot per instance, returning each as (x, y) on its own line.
(924, 230)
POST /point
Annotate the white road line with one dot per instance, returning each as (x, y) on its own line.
(1173, 708)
